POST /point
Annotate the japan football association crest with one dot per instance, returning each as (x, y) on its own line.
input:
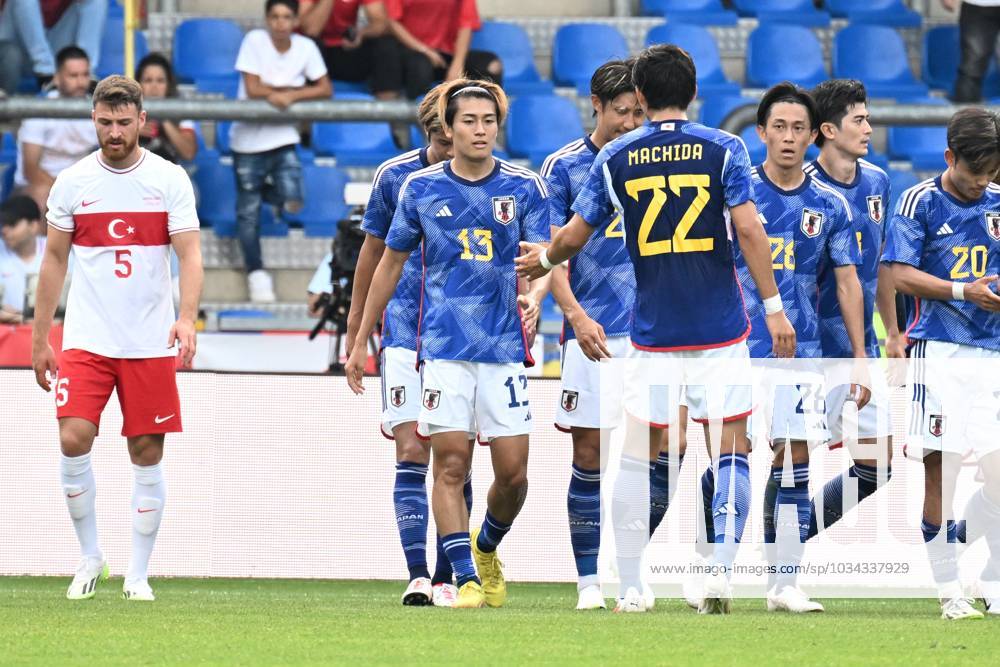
(812, 223)
(875, 211)
(504, 210)
(432, 399)
(397, 396)
(569, 400)
(936, 425)
(993, 225)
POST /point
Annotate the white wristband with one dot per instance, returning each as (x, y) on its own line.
(773, 304)
(544, 260)
(958, 291)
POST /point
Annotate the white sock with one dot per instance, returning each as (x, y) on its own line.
(148, 497)
(80, 491)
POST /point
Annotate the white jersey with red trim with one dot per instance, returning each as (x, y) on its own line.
(120, 302)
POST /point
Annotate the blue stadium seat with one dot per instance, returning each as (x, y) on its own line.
(899, 181)
(777, 52)
(940, 57)
(879, 12)
(323, 192)
(799, 12)
(715, 109)
(698, 42)
(580, 48)
(222, 136)
(8, 146)
(112, 58)
(216, 183)
(205, 47)
(701, 12)
(354, 143)
(923, 146)
(878, 159)
(227, 85)
(538, 125)
(877, 56)
(341, 87)
(511, 44)
(6, 177)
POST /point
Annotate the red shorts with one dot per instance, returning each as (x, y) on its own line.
(147, 391)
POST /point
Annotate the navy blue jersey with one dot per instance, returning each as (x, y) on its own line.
(868, 196)
(673, 183)
(955, 241)
(470, 232)
(601, 275)
(399, 322)
(809, 229)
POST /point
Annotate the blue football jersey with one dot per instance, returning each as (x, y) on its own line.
(810, 229)
(601, 275)
(470, 232)
(867, 196)
(673, 183)
(955, 241)
(399, 322)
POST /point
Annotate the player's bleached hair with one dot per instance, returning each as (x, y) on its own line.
(786, 91)
(470, 89)
(612, 79)
(117, 92)
(974, 138)
(427, 112)
(833, 99)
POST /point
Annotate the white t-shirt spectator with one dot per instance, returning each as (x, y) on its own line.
(14, 274)
(321, 280)
(302, 62)
(63, 143)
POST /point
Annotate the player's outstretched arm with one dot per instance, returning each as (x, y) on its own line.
(910, 280)
(885, 301)
(371, 252)
(567, 242)
(852, 307)
(589, 334)
(387, 274)
(187, 245)
(756, 251)
(50, 284)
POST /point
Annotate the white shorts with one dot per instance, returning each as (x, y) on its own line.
(956, 398)
(873, 421)
(790, 406)
(491, 399)
(716, 384)
(591, 395)
(400, 388)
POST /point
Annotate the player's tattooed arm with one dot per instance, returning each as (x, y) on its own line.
(910, 280)
(565, 244)
(371, 252)
(387, 274)
(50, 284)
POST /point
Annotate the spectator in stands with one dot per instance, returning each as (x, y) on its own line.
(46, 146)
(978, 25)
(434, 36)
(353, 53)
(20, 253)
(171, 141)
(281, 67)
(32, 30)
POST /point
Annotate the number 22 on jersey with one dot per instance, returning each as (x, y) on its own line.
(680, 241)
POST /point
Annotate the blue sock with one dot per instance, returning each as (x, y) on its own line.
(409, 495)
(770, 533)
(492, 533)
(941, 553)
(834, 505)
(705, 528)
(730, 506)
(583, 504)
(443, 573)
(660, 491)
(459, 550)
(791, 524)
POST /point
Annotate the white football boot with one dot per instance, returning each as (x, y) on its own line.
(418, 593)
(632, 603)
(694, 584)
(138, 591)
(718, 595)
(88, 572)
(959, 609)
(791, 599)
(591, 598)
(444, 595)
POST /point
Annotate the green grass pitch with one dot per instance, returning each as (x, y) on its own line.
(287, 622)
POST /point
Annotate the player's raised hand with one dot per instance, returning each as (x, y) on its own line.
(529, 264)
(591, 337)
(43, 360)
(980, 292)
(355, 368)
(184, 334)
(782, 335)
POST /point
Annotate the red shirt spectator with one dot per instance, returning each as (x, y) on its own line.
(343, 17)
(435, 22)
(52, 10)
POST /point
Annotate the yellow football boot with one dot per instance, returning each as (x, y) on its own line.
(470, 596)
(490, 571)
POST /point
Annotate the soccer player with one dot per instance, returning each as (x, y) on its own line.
(120, 209)
(470, 212)
(943, 247)
(596, 295)
(681, 189)
(400, 379)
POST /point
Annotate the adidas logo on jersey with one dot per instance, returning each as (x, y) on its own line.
(945, 229)
(445, 212)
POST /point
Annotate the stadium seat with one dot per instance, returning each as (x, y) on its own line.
(341, 87)
(877, 56)
(923, 146)
(6, 178)
(715, 109)
(112, 58)
(354, 143)
(205, 47)
(777, 52)
(580, 48)
(222, 136)
(216, 183)
(899, 181)
(799, 12)
(511, 44)
(227, 85)
(940, 57)
(701, 12)
(323, 192)
(538, 125)
(698, 42)
(879, 12)
(880, 160)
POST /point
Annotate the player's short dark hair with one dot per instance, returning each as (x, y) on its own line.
(117, 92)
(974, 138)
(70, 53)
(293, 5)
(612, 79)
(17, 208)
(786, 91)
(666, 76)
(156, 59)
(471, 88)
(833, 99)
